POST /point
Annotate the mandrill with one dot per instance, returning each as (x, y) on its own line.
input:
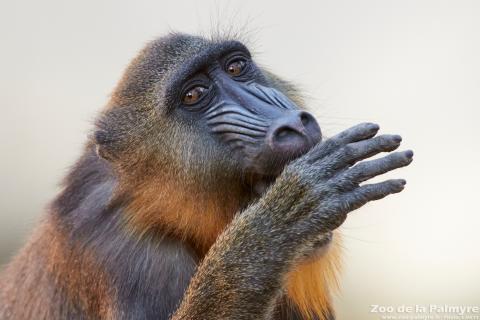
(205, 191)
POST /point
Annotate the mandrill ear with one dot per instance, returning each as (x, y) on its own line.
(111, 133)
(104, 144)
(119, 131)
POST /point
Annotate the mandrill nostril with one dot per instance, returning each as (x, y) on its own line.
(305, 118)
(284, 133)
(293, 133)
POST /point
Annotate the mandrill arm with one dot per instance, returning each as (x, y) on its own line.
(244, 272)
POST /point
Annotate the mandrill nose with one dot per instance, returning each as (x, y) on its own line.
(293, 133)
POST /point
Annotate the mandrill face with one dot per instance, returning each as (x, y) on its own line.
(218, 99)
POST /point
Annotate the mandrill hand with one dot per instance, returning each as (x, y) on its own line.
(331, 174)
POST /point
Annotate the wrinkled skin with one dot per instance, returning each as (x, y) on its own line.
(230, 98)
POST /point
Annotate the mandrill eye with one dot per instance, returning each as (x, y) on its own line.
(194, 95)
(236, 67)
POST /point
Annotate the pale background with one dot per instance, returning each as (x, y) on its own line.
(411, 66)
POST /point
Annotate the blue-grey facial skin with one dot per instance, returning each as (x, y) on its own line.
(258, 124)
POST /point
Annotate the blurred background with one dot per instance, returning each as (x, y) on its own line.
(411, 66)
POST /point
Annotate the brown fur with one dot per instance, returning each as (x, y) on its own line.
(183, 210)
(200, 217)
(310, 285)
(54, 278)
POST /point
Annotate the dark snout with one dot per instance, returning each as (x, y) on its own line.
(292, 134)
(264, 127)
(289, 136)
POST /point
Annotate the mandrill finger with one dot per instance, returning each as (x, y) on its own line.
(356, 133)
(354, 152)
(371, 192)
(369, 169)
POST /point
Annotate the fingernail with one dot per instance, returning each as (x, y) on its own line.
(403, 182)
(409, 154)
(396, 138)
